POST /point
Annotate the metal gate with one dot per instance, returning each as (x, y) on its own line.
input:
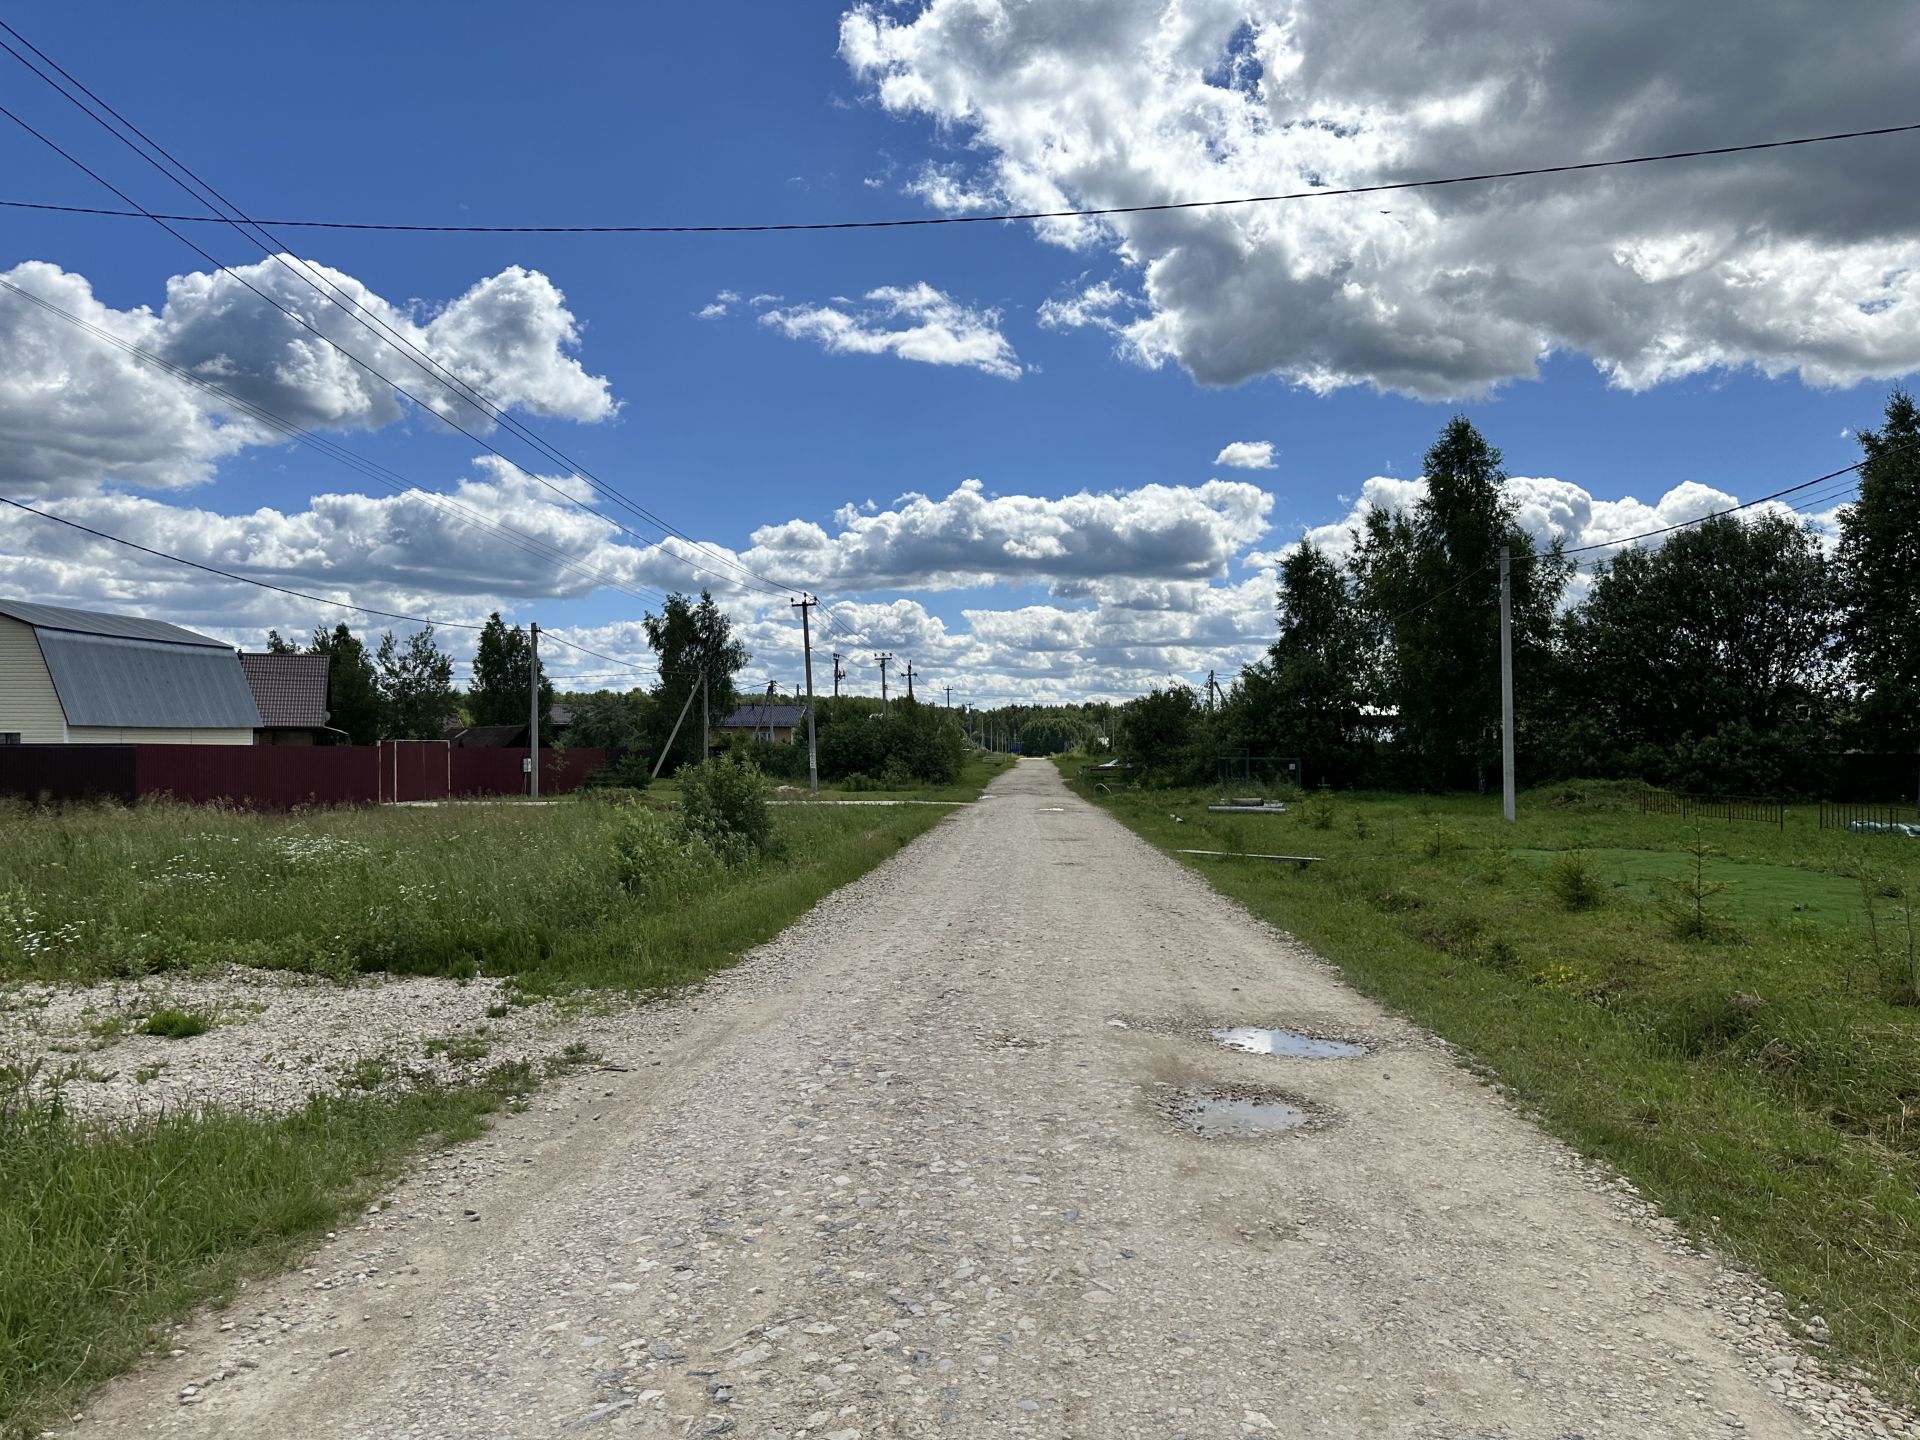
(413, 770)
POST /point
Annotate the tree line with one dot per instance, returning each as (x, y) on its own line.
(1743, 653)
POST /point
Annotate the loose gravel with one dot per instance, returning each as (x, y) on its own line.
(275, 1038)
(907, 1172)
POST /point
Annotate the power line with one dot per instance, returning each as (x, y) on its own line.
(998, 217)
(426, 362)
(360, 464)
(1730, 510)
(231, 575)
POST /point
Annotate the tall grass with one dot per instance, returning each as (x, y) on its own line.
(108, 1232)
(1725, 1029)
(92, 893)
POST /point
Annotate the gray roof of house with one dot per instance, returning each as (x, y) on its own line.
(119, 670)
(93, 622)
(781, 717)
(291, 690)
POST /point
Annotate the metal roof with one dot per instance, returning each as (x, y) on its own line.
(113, 680)
(291, 690)
(93, 622)
(751, 717)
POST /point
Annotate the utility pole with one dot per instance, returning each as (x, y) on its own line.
(674, 734)
(838, 673)
(1506, 683)
(949, 701)
(884, 660)
(706, 730)
(911, 672)
(533, 707)
(804, 605)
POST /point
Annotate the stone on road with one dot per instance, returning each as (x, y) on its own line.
(902, 1174)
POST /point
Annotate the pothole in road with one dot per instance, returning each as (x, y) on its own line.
(1239, 1112)
(1258, 1041)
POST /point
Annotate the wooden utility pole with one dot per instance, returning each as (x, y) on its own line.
(533, 707)
(804, 605)
(1506, 683)
(911, 672)
(949, 700)
(884, 660)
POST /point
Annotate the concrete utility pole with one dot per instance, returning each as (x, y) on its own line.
(838, 673)
(949, 700)
(706, 729)
(533, 707)
(674, 734)
(1506, 683)
(884, 660)
(911, 672)
(804, 605)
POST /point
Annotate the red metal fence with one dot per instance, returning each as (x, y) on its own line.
(280, 777)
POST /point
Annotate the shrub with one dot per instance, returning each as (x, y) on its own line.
(1442, 840)
(656, 858)
(1572, 881)
(629, 772)
(723, 801)
(1318, 812)
(176, 1024)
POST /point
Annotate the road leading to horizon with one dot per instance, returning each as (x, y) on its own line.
(912, 1170)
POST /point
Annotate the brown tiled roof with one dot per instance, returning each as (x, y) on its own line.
(291, 690)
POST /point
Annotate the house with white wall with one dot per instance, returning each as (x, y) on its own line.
(79, 677)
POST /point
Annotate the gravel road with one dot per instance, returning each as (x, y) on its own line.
(913, 1170)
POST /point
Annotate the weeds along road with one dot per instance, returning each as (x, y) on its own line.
(903, 1174)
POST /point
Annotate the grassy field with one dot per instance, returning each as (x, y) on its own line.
(1748, 1055)
(108, 1231)
(528, 891)
(107, 1234)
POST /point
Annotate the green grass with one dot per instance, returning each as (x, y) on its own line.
(93, 893)
(108, 1231)
(106, 1234)
(981, 766)
(1763, 1087)
(175, 1024)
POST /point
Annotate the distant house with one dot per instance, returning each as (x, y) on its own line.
(508, 737)
(291, 691)
(769, 720)
(78, 677)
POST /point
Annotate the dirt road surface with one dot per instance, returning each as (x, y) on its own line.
(911, 1171)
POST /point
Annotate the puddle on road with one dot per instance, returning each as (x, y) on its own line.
(1256, 1041)
(1235, 1116)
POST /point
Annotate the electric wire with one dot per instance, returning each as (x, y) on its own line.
(234, 575)
(1318, 192)
(360, 464)
(278, 251)
(398, 388)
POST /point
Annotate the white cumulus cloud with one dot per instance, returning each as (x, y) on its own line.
(1801, 261)
(1247, 455)
(914, 322)
(77, 413)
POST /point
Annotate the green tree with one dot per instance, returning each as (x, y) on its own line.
(1710, 652)
(353, 689)
(416, 686)
(1879, 574)
(1428, 579)
(501, 690)
(691, 640)
(1162, 734)
(277, 646)
(1307, 698)
(610, 720)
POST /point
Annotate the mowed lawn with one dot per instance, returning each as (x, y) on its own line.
(1761, 1083)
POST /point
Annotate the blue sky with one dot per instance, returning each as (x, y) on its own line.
(1705, 332)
